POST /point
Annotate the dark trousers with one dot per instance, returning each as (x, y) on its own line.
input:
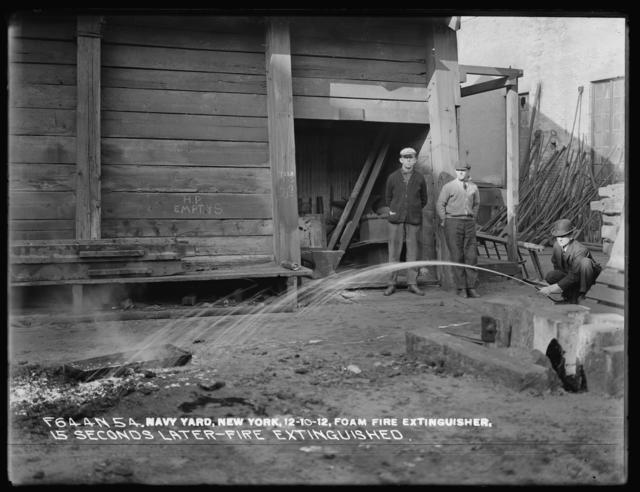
(588, 274)
(460, 235)
(398, 234)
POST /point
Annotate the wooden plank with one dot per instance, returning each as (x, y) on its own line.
(42, 177)
(141, 205)
(112, 253)
(20, 230)
(612, 220)
(184, 152)
(186, 228)
(240, 271)
(42, 149)
(42, 205)
(42, 96)
(489, 85)
(604, 294)
(118, 272)
(354, 221)
(312, 39)
(333, 108)
(188, 246)
(358, 89)
(183, 179)
(495, 71)
(365, 33)
(609, 232)
(612, 190)
(364, 173)
(513, 168)
(443, 89)
(281, 141)
(41, 51)
(43, 27)
(163, 101)
(88, 193)
(88, 256)
(358, 69)
(176, 126)
(180, 37)
(612, 278)
(205, 23)
(44, 122)
(182, 59)
(612, 205)
(186, 81)
(41, 73)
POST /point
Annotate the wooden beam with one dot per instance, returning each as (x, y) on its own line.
(489, 85)
(88, 202)
(495, 71)
(443, 92)
(513, 167)
(281, 141)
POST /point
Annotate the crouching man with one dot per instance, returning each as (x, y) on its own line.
(574, 268)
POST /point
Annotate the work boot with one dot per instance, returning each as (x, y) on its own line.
(389, 290)
(472, 293)
(414, 288)
(462, 293)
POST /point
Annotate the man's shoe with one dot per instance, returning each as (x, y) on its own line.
(389, 290)
(472, 293)
(462, 293)
(415, 290)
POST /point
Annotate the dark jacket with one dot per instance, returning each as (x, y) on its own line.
(569, 262)
(406, 200)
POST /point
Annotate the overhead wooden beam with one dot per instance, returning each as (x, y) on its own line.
(513, 167)
(281, 141)
(489, 85)
(88, 203)
(495, 71)
(443, 97)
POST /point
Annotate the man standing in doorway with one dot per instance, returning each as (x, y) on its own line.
(406, 196)
(457, 207)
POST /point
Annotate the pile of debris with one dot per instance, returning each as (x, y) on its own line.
(555, 184)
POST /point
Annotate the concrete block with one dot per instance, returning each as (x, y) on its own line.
(604, 370)
(495, 364)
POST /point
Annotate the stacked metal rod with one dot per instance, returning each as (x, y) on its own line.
(554, 184)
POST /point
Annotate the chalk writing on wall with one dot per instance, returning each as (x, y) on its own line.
(194, 205)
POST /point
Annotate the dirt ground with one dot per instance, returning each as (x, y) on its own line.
(344, 358)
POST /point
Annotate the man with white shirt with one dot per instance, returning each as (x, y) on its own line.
(457, 208)
(406, 196)
(575, 269)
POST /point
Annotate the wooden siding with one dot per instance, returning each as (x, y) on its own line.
(184, 133)
(41, 137)
(360, 69)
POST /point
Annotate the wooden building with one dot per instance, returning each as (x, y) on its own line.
(163, 148)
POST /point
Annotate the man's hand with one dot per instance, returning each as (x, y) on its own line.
(551, 289)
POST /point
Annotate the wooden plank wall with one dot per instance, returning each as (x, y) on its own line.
(42, 127)
(364, 69)
(184, 133)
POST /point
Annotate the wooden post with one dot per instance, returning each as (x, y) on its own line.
(513, 168)
(443, 98)
(281, 141)
(88, 128)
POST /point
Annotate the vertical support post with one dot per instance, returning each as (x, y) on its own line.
(443, 98)
(281, 141)
(76, 298)
(88, 203)
(513, 168)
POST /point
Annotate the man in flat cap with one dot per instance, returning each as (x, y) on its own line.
(406, 196)
(457, 208)
(574, 268)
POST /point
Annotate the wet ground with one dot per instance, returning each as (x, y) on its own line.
(343, 358)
